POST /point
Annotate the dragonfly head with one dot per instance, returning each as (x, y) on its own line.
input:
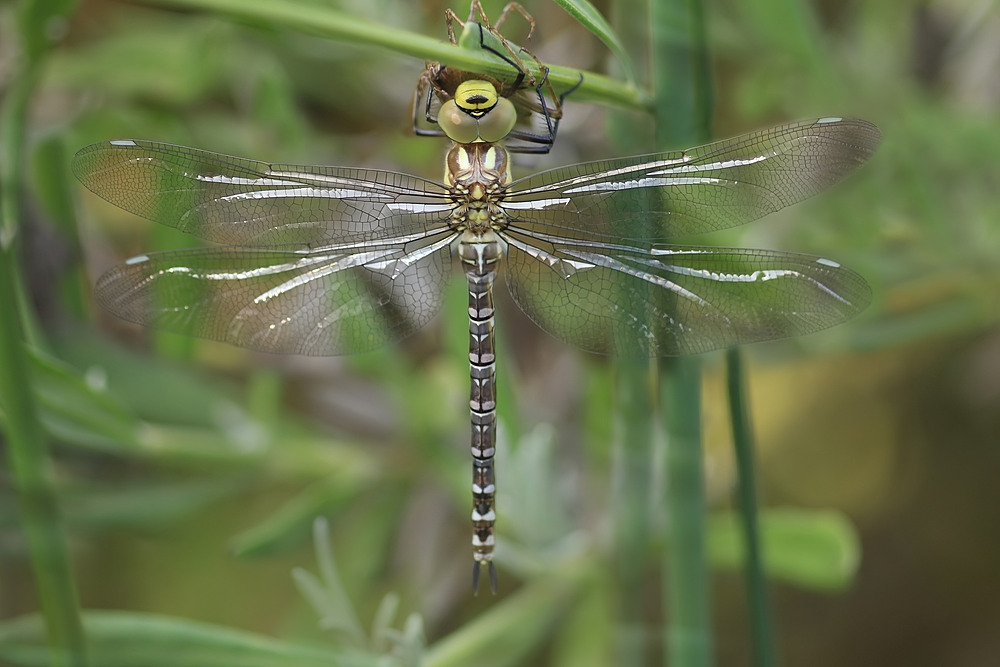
(477, 113)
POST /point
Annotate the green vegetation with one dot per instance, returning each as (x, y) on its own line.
(177, 482)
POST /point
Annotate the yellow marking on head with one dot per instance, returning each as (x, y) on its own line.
(476, 96)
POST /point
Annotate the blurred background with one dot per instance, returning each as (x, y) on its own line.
(190, 472)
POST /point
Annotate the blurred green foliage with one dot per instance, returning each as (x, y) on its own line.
(173, 454)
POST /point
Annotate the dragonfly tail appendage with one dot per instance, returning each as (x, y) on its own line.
(476, 568)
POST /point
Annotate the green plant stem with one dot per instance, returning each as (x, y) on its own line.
(331, 24)
(635, 413)
(27, 446)
(634, 409)
(688, 636)
(682, 110)
(761, 625)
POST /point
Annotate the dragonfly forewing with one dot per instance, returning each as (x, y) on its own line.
(668, 195)
(236, 201)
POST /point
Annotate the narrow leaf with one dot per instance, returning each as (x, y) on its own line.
(587, 15)
(127, 639)
(818, 550)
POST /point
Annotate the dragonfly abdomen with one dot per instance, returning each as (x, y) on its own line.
(480, 258)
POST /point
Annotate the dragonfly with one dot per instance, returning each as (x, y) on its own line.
(322, 260)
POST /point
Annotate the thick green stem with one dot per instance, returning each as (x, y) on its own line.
(633, 484)
(635, 411)
(689, 635)
(682, 95)
(27, 446)
(325, 22)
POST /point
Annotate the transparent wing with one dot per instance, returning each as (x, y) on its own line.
(665, 300)
(235, 201)
(323, 302)
(666, 195)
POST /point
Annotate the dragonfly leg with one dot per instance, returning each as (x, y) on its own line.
(515, 7)
(512, 60)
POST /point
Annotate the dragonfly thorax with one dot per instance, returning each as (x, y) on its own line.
(477, 175)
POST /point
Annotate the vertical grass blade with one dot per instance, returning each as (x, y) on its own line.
(761, 625)
(633, 491)
(688, 634)
(26, 444)
(682, 111)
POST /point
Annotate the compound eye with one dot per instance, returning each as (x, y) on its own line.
(498, 122)
(457, 125)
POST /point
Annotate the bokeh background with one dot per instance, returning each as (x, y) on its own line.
(190, 472)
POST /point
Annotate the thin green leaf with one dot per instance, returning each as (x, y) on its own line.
(78, 411)
(26, 445)
(382, 633)
(326, 593)
(144, 504)
(292, 521)
(39, 24)
(127, 639)
(587, 15)
(189, 58)
(510, 630)
(408, 644)
(152, 388)
(818, 550)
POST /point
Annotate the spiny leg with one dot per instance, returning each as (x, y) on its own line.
(552, 118)
(514, 7)
(484, 26)
(513, 61)
(450, 19)
(425, 85)
(549, 115)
